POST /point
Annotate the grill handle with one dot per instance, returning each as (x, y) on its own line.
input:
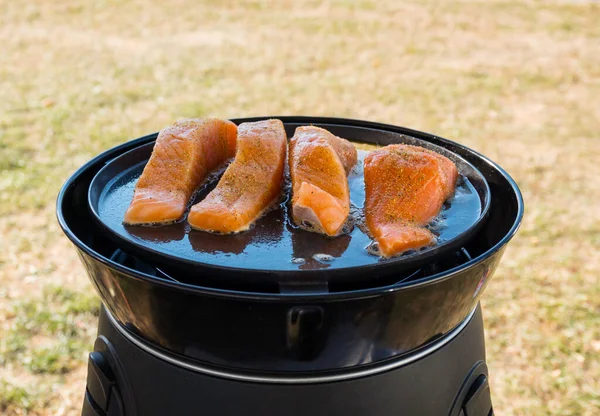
(103, 395)
(304, 331)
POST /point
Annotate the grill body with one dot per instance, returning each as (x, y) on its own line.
(448, 378)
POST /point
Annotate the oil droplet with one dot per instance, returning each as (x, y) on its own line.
(437, 225)
(373, 249)
(322, 257)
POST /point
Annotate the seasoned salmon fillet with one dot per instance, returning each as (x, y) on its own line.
(405, 188)
(183, 156)
(250, 185)
(319, 166)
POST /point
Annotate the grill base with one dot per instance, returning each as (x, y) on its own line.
(124, 379)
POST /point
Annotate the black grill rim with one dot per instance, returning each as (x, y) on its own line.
(361, 293)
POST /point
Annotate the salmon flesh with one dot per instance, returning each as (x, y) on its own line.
(405, 188)
(251, 184)
(319, 166)
(183, 156)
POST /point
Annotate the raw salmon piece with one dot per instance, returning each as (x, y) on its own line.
(250, 185)
(405, 187)
(319, 165)
(183, 156)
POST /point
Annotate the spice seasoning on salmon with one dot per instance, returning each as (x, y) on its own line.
(250, 186)
(319, 166)
(183, 156)
(405, 188)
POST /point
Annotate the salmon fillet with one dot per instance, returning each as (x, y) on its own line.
(250, 185)
(319, 166)
(183, 156)
(405, 188)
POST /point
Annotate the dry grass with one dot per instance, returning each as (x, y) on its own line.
(518, 81)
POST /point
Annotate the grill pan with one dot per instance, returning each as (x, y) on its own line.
(267, 252)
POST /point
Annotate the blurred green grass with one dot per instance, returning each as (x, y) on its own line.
(517, 81)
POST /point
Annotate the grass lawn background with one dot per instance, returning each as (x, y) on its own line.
(516, 80)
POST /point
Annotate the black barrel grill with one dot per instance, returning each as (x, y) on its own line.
(389, 340)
